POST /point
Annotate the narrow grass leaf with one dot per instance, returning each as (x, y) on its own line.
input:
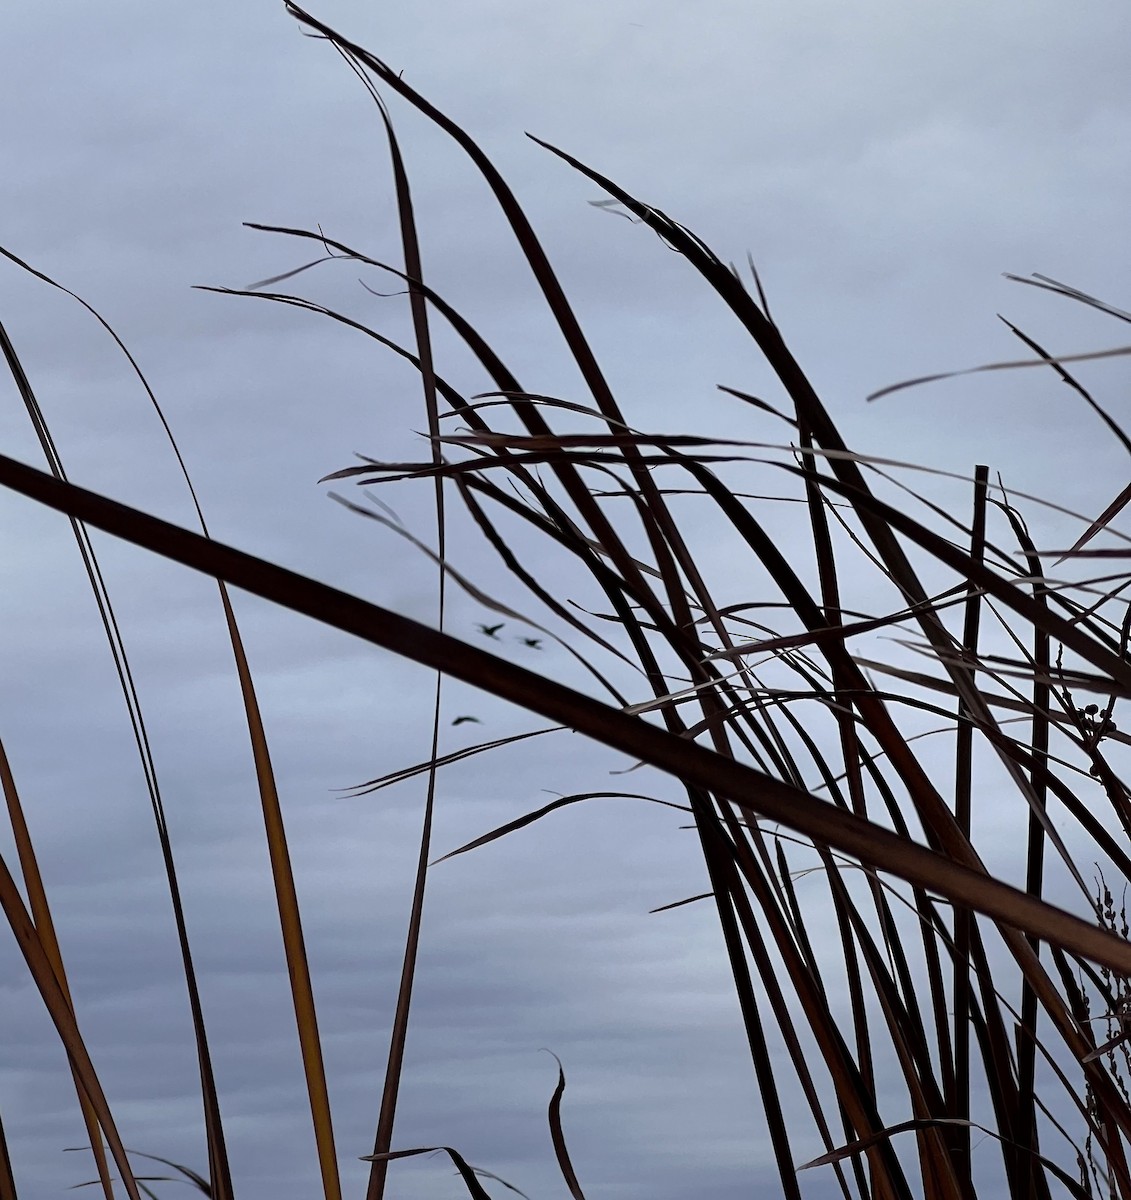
(557, 1135)
(1071, 1185)
(467, 1172)
(690, 762)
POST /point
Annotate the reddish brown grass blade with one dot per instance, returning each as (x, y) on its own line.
(1071, 1185)
(58, 1006)
(467, 1172)
(45, 927)
(217, 1150)
(290, 921)
(688, 761)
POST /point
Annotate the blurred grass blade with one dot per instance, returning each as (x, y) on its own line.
(688, 761)
(467, 1172)
(1062, 289)
(401, 774)
(754, 703)
(1071, 1185)
(188, 1174)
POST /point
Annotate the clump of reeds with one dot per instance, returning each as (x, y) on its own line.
(971, 1000)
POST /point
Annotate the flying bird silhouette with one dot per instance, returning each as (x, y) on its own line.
(492, 631)
(463, 720)
(533, 643)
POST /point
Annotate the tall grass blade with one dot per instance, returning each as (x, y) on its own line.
(744, 786)
(217, 1151)
(40, 912)
(290, 920)
(7, 1179)
(557, 1135)
(467, 1172)
(414, 273)
(58, 1006)
(959, 1099)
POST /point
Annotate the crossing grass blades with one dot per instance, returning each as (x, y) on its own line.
(792, 753)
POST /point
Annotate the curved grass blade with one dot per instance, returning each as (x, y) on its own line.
(467, 1172)
(1013, 365)
(45, 926)
(562, 802)
(688, 761)
(188, 1174)
(1071, 1185)
(58, 1006)
(375, 785)
(284, 884)
(213, 1126)
(414, 274)
(1035, 613)
(288, 904)
(1063, 289)
(557, 1135)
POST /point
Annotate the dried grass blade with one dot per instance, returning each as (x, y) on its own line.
(467, 1172)
(217, 1151)
(907, 1035)
(58, 1006)
(290, 921)
(854, 1086)
(576, 545)
(530, 817)
(1076, 386)
(414, 272)
(7, 1178)
(688, 761)
(559, 307)
(399, 776)
(1035, 853)
(736, 920)
(45, 926)
(189, 1175)
(1013, 365)
(959, 1098)
(523, 231)
(856, 1003)
(1097, 526)
(557, 1136)
(1073, 1187)
(475, 592)
(838, 632)
(989, 581)
(1062, 289)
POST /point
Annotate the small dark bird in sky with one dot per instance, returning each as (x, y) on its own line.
(533, 643)
(464, 720)
(492, 631)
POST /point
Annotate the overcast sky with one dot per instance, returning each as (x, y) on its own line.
(883, 162)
